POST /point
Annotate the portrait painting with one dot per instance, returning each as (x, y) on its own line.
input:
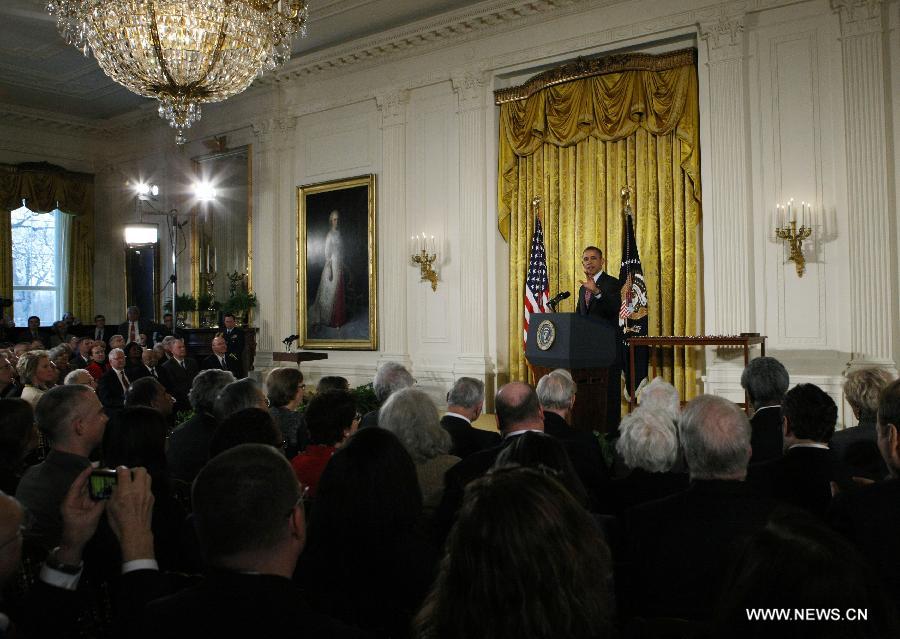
(336, 269)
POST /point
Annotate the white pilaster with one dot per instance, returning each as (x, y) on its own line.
(472, 360)
(265, 229)
(872, 286)
(393, 261)
(726, 210)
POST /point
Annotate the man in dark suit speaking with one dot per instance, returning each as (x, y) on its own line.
(600, 297)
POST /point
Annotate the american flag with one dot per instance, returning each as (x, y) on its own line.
(537, 286)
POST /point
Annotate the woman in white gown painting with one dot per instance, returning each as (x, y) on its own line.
(329, 307)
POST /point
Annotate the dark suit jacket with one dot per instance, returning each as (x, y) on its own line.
(110, 391)
(108, 331)
(144, 326)
(188, 448)
(641, 486)
(679, 547)
(137, 372)
(79, 362)
(801, 478)
(466, 438)
(235, 341)
(870, 518)
(232, 363)
(25, 335)
(229, 604)
(856, 452)
(607, 305)
(178, 380)
(584, 441)
(766, 438)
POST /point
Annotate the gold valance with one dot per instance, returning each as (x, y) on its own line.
(45, 187)
(608, 99)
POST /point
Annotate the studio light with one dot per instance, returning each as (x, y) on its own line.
(204, 191)
(138, 234)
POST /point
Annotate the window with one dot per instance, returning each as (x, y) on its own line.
(37, 240)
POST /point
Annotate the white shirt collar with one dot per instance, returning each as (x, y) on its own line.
(458, 416)
(597, 276)
(516, 433)
(810, 445)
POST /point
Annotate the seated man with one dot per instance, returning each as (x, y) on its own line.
(147, 391)
(766, 381)
(803, 476)
(249, 518)
(73, 420)
(390, 377)
(147, 368)
(222, 359)
(111, 388)
(465, 401)
(179, 373)
(679, 546)
(556, 392)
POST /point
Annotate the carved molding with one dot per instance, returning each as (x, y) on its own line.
(724, 37)
(858, 17)
(392, 104)
(469, 87)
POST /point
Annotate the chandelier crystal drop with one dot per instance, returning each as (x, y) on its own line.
(182, 52)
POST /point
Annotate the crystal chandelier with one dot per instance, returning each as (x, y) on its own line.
(182, 52)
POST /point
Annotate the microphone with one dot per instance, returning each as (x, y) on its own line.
(559, 298)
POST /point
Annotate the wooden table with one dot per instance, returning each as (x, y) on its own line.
(297, 357)
(744, 340)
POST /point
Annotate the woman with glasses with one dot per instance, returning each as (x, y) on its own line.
(285, 390)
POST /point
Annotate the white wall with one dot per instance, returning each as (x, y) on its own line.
(779, 82)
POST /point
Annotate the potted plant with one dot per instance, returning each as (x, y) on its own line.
(240, 304)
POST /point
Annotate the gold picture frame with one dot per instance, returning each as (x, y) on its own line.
(337, 265)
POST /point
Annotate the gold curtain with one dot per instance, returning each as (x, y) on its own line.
(575, 145)
(45, 187)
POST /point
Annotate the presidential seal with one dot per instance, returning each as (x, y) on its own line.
(546, 334)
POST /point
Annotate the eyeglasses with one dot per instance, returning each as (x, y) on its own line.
(301, 500)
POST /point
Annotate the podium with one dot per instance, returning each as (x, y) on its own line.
(584, 346)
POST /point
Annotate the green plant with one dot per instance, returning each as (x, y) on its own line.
(240, 302)
(183, 302)
(365, 398)
(204, 300)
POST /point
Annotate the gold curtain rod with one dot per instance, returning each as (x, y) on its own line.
(585, 68)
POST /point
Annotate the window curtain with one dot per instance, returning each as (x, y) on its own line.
(46, 187)
(574, 136)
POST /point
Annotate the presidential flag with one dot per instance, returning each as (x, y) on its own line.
(537, 286)
(633, 311)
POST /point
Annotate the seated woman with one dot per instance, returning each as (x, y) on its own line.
(37, 374)
(98, 366)
(648, 444)
(331, 418)
(413, 418)
(133, 353)
(518, 532)
(285, 389)
(59, 357)
(856, 448)
(366, 561)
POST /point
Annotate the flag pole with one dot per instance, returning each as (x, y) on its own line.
(536, 206)
(626, 212)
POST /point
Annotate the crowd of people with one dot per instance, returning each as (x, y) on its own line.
(276, 507)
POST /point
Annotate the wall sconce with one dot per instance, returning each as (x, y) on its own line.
(424, 254)
(786, 229)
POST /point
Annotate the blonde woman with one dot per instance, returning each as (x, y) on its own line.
(37, 374)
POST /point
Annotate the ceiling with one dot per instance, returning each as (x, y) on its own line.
(39, 71)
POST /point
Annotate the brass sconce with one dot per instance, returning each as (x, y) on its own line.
(787, 229)
(424, 254)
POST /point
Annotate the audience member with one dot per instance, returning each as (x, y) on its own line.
(33, 333)
(133, 352)
(678, 545)
(389, 378)
(331, 418)
(556, 393)
(795, 563)
(486, 588)
(413, 418)
(101, 332)
(82, 377)
(147, 391)
(869, 517)
(37, 374)
(222, 359)
(188, 447)
(98, 366)
(238, 395)
(548, 455)
(660, 396)
(59, 334)
(765, 381)
(465, 402)
(285, 389)
(82, 353)
(234, 336)
(802, 477)
(116, 341)
(59, 358)
(179, 373)
(114, 384)
(332, 382)
(855, 449)
(8, 382)
(18, 437)
(133, 326)
(73, 421)
(147, 367)
(648, 444)
(246, 426)
(249, 518)
(367, 562)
